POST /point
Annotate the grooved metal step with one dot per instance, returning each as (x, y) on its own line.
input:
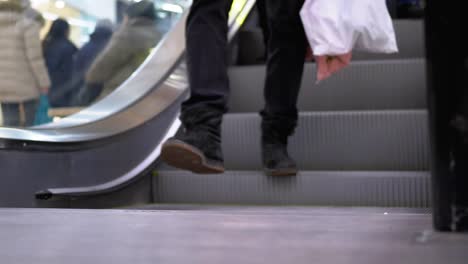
(370, 85)
(366, 140)
(332, 188)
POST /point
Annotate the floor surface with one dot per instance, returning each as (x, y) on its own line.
(188, 234)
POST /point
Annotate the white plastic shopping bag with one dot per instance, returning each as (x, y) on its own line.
(335, 28)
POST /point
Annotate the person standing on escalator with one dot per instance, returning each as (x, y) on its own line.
(23, 73)
(86, 56)
(127, 50)
(198, 148)
(59, 51)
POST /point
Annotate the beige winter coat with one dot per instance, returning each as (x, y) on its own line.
(126, 51)
(22, 67)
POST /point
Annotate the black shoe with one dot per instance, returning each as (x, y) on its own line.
(194, 151)
(276, 160)
(276, 130)
(198, 149)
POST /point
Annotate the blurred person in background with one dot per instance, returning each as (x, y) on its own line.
(87, 55)
(59, 52)
(126, 51)
(23, 73)
(33, 14)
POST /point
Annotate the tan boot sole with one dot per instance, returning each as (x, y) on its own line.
(186, 157)
(281, 172)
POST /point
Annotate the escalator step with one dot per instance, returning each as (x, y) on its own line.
(367, 140)
(373, 85)
(371, 188)
(410, 37)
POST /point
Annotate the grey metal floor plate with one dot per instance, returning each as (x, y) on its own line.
(256, 235)
(322, 188)
(367, 140)
(373, 85)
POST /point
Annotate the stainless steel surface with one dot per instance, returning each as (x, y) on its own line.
(118, 183)
(227, 235)
(320, 188)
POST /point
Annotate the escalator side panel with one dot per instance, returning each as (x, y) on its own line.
(24, 173)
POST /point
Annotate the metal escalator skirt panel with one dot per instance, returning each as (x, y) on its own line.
(113, 185)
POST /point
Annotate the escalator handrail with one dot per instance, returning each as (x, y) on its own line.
(118, 112)
(137, 172)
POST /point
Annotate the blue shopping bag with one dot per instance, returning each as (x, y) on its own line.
(42, 113)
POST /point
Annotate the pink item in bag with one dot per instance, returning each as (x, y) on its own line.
(328, 65)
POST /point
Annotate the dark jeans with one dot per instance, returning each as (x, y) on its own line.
(12, 114)
(263, 19)
(207, 64)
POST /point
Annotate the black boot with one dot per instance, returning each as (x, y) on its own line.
(275, 134)
(198, 147)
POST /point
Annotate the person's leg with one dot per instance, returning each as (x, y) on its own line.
(198, 149)
(263, 20)
(286, 53)
(459, 122)
(30, 109)
(11, 114)
(460, 168)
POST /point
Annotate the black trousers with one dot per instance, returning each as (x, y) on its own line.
(207, 64)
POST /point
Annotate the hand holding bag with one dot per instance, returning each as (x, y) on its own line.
(335, 28)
